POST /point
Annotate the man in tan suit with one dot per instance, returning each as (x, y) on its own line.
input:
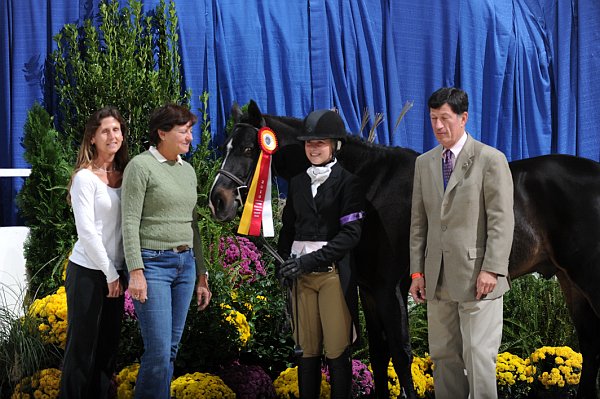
(460, 240)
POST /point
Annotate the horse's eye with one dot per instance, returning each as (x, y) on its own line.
(248, 151)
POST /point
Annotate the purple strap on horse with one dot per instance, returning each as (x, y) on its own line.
(352, 217)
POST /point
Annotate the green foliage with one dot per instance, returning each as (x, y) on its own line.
(417, 320)
(42, 202)
(131, 62)
(536, 315)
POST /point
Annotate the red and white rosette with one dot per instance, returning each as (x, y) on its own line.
(258, 208)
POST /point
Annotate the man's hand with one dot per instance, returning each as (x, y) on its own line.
(291, 268)
(417, 289)
(203, 294)
(486, 282)
(138, 289)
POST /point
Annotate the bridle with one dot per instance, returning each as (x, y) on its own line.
(242, 186)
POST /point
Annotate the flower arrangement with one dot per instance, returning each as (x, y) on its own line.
(241, 255)
(362, 379)
(556, 370)
(286, 385)
(126, 381)
(422, 374)
(393, 381)
(200, 385)
(43, 384)
(248, 381)
(52, 312)
(512, 376)
(238, 320)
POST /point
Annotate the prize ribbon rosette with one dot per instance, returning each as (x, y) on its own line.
(258, 209)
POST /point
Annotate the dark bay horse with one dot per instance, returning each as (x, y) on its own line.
(557, 232)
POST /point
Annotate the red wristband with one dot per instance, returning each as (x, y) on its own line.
(416, 275)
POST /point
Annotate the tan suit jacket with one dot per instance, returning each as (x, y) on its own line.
(469, 225)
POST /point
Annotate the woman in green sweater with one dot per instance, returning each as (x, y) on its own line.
(162, 245)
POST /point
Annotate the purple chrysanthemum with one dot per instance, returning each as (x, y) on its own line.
(362, 379)
(248, 381)
(239, 253)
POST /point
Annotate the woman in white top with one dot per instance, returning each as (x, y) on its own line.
(93, 284)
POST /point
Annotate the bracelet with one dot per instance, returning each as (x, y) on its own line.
(416, 275)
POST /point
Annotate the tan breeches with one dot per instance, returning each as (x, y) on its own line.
(324, 321)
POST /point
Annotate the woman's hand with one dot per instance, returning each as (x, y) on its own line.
(138, 289)
(203, 293)
(115, 289)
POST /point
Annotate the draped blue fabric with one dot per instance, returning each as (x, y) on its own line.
(530, 67)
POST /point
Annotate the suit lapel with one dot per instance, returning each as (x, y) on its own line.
(435, 165)
(463, 163)
(305, 191)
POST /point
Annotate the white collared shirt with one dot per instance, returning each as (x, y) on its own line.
(160, 158)
(457, 148)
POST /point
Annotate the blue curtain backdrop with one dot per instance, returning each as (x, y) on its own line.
(530, 67)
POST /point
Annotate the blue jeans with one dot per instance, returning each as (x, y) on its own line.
(170, 277)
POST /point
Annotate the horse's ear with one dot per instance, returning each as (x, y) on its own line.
(236, 112)
(255, 117)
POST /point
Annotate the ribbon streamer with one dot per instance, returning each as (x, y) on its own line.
(258, 209)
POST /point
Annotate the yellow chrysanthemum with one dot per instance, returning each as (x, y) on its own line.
(556, 368)
(239, 321)
(286, 385)
(42, 384)
(52, 312)
(200, 385)
(126, 381)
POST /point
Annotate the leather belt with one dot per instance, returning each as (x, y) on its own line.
(325, 269)
(181, 248)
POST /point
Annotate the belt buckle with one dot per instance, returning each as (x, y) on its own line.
(331, 268)
(181, 248)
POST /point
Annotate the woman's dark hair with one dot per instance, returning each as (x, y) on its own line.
(166, 117)
(456, 98)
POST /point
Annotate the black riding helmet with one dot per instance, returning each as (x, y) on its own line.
(323, 124)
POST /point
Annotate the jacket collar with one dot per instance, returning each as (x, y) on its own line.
(462, 164)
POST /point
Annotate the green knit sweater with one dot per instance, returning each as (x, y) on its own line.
(158, 201)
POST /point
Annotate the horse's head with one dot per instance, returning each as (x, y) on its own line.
(241, 155)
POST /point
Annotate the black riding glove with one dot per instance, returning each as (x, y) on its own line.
(292, 268)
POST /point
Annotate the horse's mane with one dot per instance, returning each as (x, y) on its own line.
(357, 147)
(356, 154)
(284, 124)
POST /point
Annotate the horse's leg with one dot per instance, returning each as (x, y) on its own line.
(399, 340)
(586, 275)
(378, 349)
(391, 310)
(587, 324)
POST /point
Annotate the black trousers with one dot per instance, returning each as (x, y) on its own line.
(94, 326)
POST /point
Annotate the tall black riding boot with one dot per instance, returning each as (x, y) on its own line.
(309, 377)
(340, 376)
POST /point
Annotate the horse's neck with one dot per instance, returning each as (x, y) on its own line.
(290, 159)
(369, 160)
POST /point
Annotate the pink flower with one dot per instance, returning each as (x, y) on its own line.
(241, 255)
(129, 308)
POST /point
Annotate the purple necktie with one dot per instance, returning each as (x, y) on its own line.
(447, 166)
